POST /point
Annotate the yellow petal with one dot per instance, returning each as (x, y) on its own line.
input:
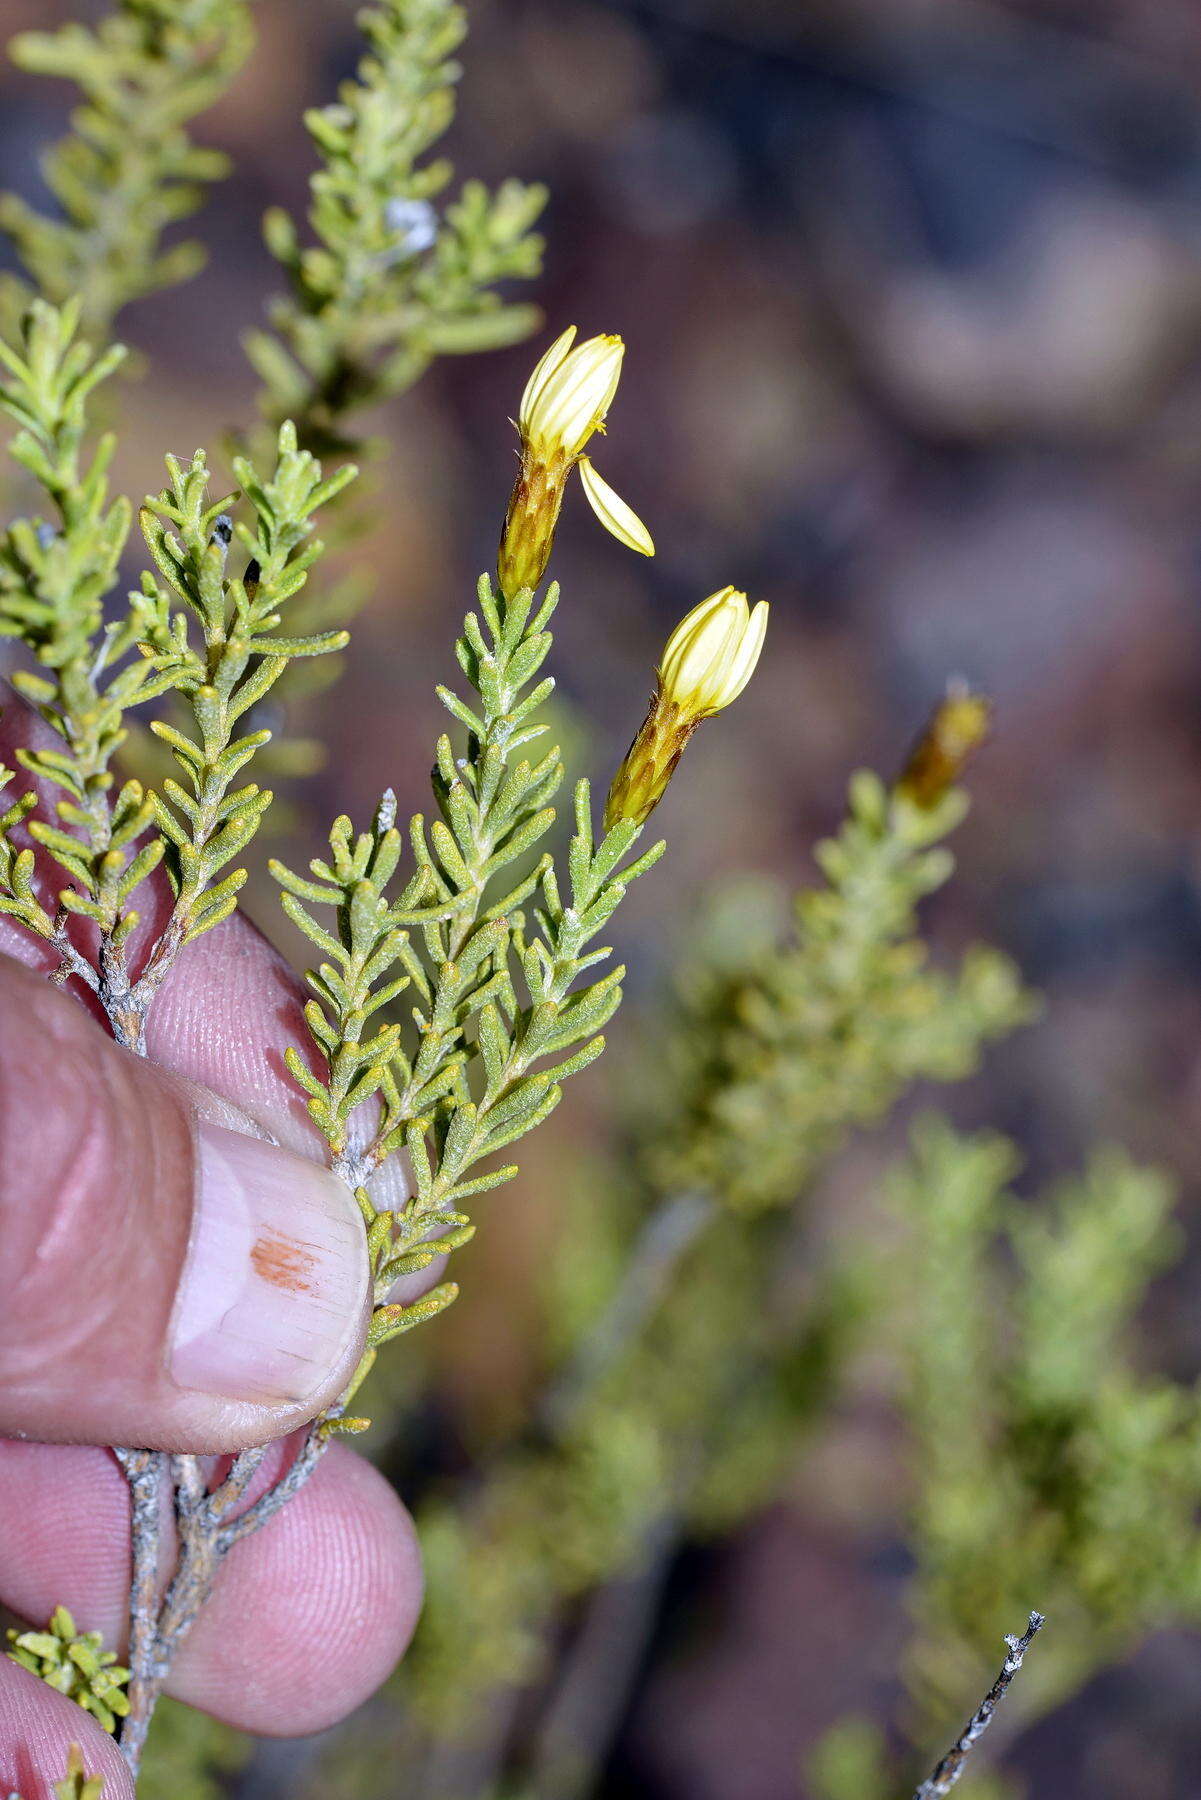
(571, 397)
(747, 656)
(544, 368)
(613, 512)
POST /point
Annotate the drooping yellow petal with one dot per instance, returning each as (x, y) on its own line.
(613, 512)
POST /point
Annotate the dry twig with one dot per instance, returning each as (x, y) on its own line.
(948, 1771)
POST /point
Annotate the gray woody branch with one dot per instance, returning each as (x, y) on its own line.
(950, 1768)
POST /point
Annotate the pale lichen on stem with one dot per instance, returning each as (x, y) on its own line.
(950, 1768)
(208, 1526)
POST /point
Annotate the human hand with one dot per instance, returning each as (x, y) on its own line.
(177, 1271)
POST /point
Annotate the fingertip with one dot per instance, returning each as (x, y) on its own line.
(64, 1535)
(37, 1729)
(308, 1617)
(224, 1018)
(313, 1612)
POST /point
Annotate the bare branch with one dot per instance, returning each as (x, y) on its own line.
(206, 1535)
(951, 1767)
(288, 1485)
(144, 1471)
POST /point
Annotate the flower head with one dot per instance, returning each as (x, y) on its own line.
(711, 655)
(566, 400)
(569, 394)
(708, 660)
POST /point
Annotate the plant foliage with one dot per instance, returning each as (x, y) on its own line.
(127, 169)
(501, 1014)
(392, 281)
(74, 1663)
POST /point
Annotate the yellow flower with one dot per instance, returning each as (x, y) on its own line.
(711, 655)
(708, 660)
(569, 394)
(565, 402)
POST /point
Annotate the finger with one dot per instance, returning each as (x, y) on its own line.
(309, 1614)
(37, 1729)
(226, 1013)
(167, 1281)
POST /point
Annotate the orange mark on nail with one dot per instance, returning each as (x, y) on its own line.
(284, 1264)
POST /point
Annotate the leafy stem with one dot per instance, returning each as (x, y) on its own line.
(500, 1018)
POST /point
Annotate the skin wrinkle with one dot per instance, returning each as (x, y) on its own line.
(64, 1184)
(50, 1168)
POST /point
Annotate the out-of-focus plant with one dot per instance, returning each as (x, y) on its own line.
(127, 169)
(778, 1050)
(1042, 1466)
(1043, 1462)
(393, 280)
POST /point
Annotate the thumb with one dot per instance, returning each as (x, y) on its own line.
(164, 1281)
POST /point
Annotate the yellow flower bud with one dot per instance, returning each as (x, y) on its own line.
(711, 655)
(708, 660)
(957, 726)
(566, 400)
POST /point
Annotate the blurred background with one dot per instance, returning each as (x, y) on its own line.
(911, 291)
